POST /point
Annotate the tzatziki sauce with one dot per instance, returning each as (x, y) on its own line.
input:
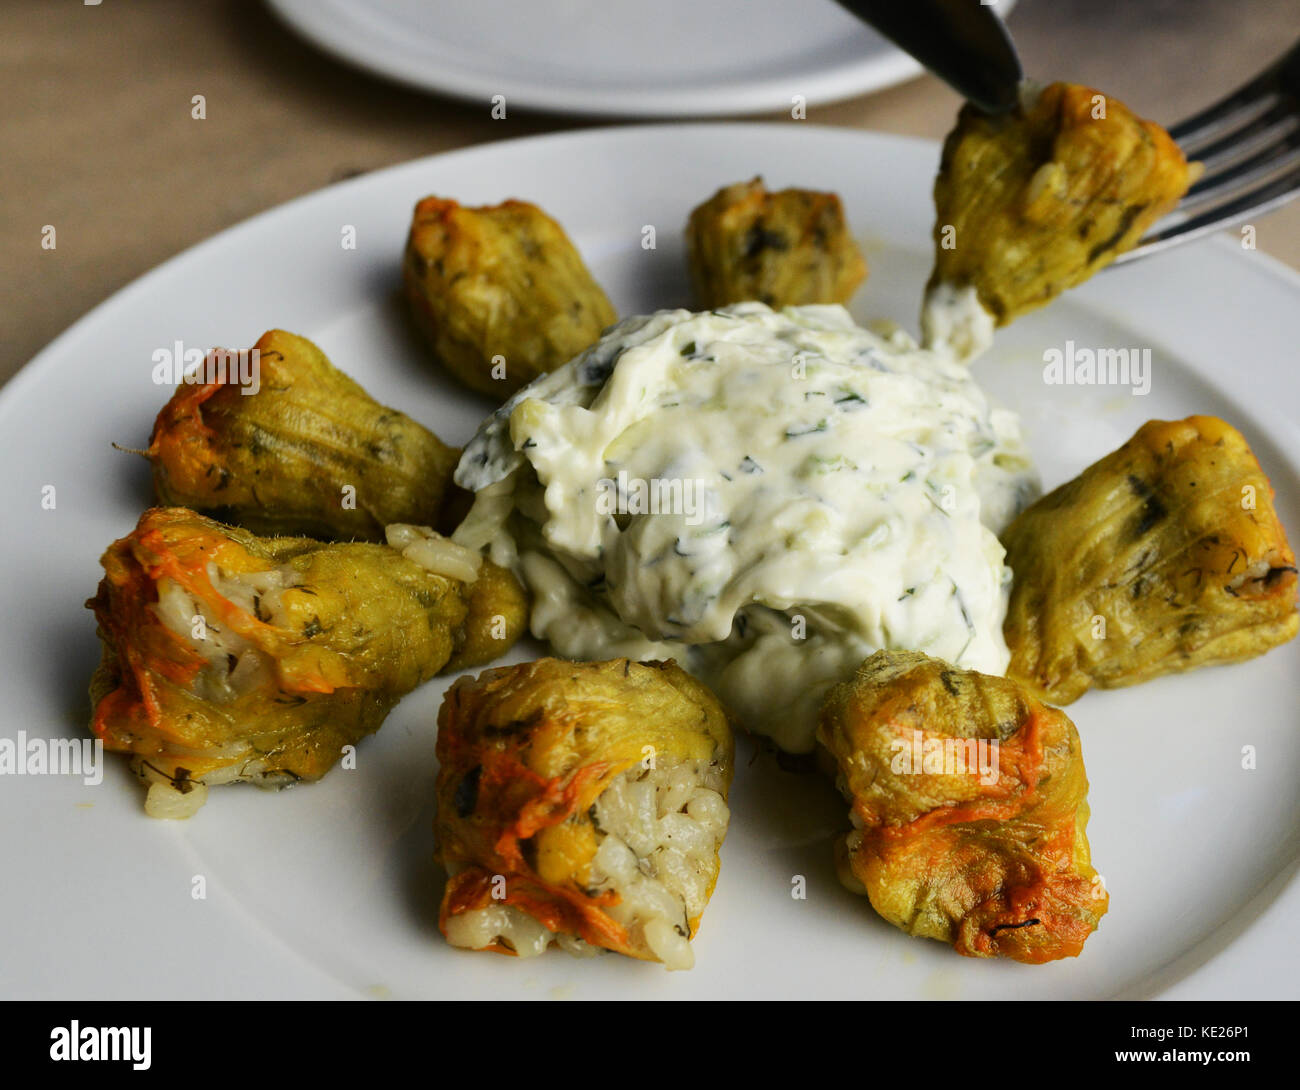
(767, 497)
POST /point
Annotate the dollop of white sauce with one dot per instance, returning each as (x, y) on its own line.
(823, 492)
(955, 322)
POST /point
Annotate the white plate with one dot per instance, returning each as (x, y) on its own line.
(666, 58)
(329, 889)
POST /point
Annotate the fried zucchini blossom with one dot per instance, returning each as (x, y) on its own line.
(1033, 202)
(228, 657)
(309, 452)
(969, 807)
(582, 803)
(784, 249)
(1164, 556)
(500, 293)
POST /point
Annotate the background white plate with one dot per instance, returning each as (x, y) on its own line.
(659, 58)
(329, 889)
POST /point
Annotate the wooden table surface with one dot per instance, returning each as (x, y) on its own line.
(96, 136)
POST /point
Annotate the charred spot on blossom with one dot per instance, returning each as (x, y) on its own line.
(760, 238)
(514, 726)
(1152, 512)
(1015, 926)
(1126, 221)
(466, 797)
(1006, 728)
(1153, 508)
(1275, 574)
(1142, 489)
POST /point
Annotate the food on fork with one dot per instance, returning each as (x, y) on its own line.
(1034, 202)
(583, 804)
(228, 657)
(1165, 555)
(969, 809)
(302, 450)
(500, 293)
(765, 497)
(784, 249)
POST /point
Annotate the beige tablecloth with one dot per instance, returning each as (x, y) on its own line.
(96, 136)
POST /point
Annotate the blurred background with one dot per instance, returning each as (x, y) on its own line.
(97, 135)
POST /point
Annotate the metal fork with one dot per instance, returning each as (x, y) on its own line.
(1250, 145)
(1248, 142)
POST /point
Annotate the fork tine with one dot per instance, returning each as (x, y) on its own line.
(1253, 202)
(1211, 187)
(1225, 150)
(1249, 145)
(1247, 99)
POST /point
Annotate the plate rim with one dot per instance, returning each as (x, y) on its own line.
(310, 21)
(1214, 969)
